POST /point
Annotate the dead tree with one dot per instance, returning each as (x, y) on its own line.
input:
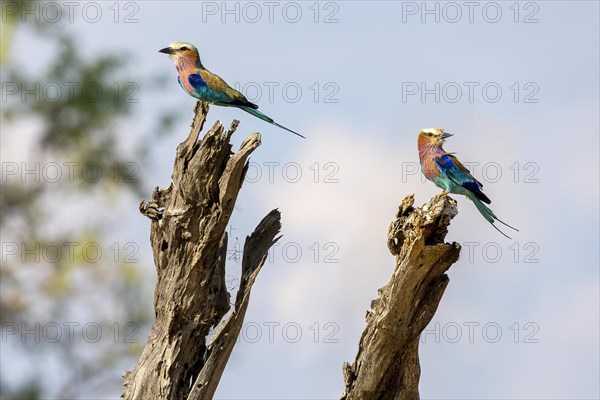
(387, 364)
(189, 244)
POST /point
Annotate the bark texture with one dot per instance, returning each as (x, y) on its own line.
(387, 363)
(189, 244)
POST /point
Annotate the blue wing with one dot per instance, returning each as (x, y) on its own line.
(196, 81)
(205, 91)
(457, 173)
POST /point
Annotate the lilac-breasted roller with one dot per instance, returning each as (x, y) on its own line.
(447, 172)
(202, 84)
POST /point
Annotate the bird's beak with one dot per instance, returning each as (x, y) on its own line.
(166, 50)
(446, 135)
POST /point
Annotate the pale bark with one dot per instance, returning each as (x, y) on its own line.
(387, 363)
(189, 242)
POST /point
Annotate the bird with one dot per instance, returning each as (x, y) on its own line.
(202, 84)
(444, 169)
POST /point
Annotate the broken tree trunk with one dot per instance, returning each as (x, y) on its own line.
(189, 243)
(387, 363)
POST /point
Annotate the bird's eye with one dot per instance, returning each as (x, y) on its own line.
(184, 48)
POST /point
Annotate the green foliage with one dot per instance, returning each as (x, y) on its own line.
(80, 124)
(76, 128)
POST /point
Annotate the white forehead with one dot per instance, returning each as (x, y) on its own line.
(435, 131)
(179, 45)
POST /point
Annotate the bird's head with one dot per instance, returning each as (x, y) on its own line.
(432, 137)
(181, 50)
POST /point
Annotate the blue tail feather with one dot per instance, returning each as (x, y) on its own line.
(265, 118)
(488, 214)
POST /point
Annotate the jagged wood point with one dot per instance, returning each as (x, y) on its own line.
(386, 366)
(189, 243)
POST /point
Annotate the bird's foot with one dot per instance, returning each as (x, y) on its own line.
(443, 194)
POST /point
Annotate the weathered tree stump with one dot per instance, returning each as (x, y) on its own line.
(387, 363)
(189, 243)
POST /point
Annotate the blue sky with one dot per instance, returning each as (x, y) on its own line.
(534, 144)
